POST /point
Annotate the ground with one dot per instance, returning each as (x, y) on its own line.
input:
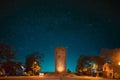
(52, 78)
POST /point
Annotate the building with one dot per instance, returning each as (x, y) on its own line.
(108, 70)
(60, 59)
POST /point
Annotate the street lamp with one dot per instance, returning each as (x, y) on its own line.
(119, 63)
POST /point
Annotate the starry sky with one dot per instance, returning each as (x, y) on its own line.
(81, 26)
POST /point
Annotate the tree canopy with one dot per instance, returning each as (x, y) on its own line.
(7, 52)
(84, 62)
(7, 59)
(33, 62)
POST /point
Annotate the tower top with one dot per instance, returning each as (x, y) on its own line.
(60, 48)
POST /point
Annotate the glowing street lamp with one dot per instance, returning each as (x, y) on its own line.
(119, 63)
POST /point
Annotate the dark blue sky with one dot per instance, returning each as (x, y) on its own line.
(81, 26)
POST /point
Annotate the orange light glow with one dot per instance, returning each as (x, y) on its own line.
(60, 69)
(119, 63)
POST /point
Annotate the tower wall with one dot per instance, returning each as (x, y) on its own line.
(60, 59)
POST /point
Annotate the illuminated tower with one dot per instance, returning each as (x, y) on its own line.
(60, 59)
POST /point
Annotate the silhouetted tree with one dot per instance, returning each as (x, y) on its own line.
(85, 63)
(7, 58)
(80, 64)
(1, 51)
(7, 52)
(98, 60)
(32, 62)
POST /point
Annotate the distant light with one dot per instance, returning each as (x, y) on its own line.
(119, 63)
(95, 66)
(41, 74)
(35, 62)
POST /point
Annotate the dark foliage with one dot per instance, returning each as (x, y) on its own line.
(7, 52)
(7, 59)
(84, 62)
(30, 59)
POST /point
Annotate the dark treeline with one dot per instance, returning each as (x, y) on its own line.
(9, 65)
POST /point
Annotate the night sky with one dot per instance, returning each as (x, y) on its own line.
(81, 26)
